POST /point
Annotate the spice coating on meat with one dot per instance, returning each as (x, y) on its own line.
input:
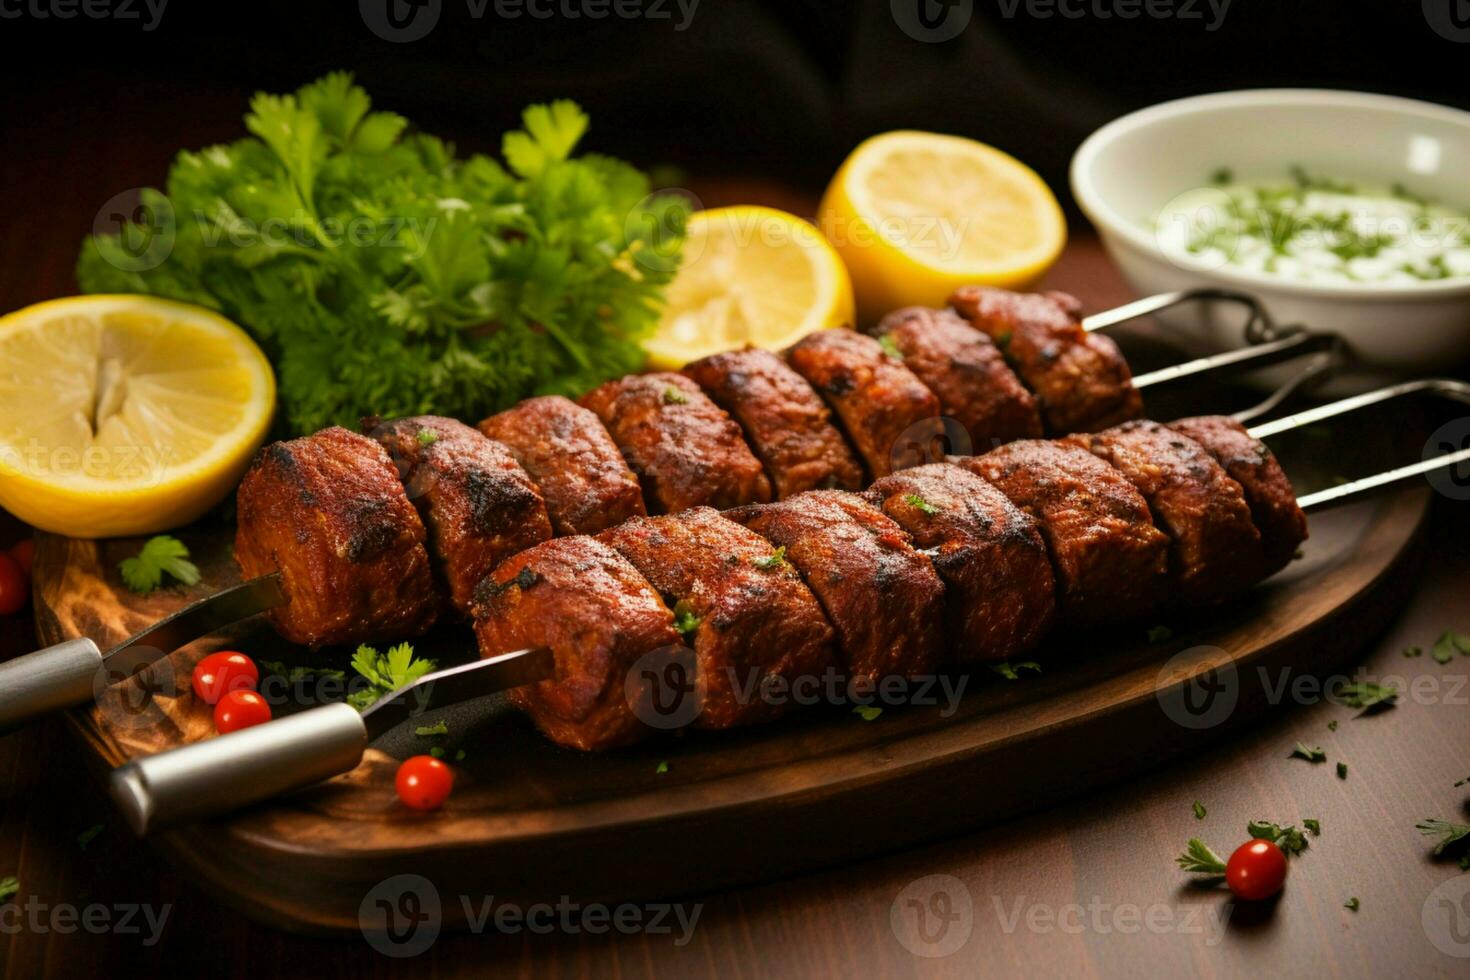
(1274, 510)
(966, 371)
(1002, 598)
(784, 420)
(1214, 549)
(882, 596)
(754, 626)
(882, 405)
(686, 451)
(327, 512)
(572, 459)
(581, 600)
(1110, 560)
(477, 503)
(1080, 379)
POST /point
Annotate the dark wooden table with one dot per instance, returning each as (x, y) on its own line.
(1088, 887)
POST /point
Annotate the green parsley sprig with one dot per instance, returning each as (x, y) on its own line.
(386, 672)
(161, 555)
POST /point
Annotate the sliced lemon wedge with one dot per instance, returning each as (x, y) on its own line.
(749, 275)
(915, 215)
(124, 415)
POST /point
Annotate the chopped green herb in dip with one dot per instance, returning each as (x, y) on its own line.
(1316, 229)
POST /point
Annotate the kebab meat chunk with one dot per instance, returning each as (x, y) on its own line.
(568, 453)
(784, 420)
(1080, 379)
(988, 551)
(685, 450)
(754, 626)
(882, 596)
(328, 512)
(476, 501)
(887, 412)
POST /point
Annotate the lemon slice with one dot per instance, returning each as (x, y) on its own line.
(915, 215)
(749, 275)
(125, 415)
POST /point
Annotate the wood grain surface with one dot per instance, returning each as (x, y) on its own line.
(1108, 850)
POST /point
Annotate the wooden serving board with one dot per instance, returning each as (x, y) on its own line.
(531, 822)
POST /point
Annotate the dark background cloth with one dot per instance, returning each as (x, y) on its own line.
(779, 89)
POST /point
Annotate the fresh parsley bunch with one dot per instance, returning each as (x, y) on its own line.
(384, 275)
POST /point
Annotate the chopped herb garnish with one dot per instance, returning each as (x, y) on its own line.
(1367, 696)
(663, 767)
(1448, 644)
(437, 751)
(1462, 782)
(161, 555)
(1291, 841)
(920, 504)
(427, 437)
(1413, 651)
(386, 672)
(1315, 826)
(776, 559)
(1332, 725)
(1199, 859)
(1351, 904)
(1448, 833)
(9, 886)
(89, 835)
(867, 712)
(673, 396)
(459, 755)
(1011, 672)
(438, 728)
(1199, 810)
(1159, 634)
(1223, 175)
(1342, 770)
(684, 619)
(889, 347)
(1309, 752)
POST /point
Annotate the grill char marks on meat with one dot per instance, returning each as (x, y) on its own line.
(784, 420)
(1080, 379)
(966, 371)
(572, 459)
(886, 411)
(476, 501)
(1214, 549)
(585, 603)
(1109, 559)
(1274, 510)
(686, 451)
(747, 614)
(988, 551)
(327, 512)
(883, 597)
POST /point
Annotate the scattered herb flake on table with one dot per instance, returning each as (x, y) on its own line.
(1199, 810)
(1351, 904)
(161, 555)
(1311, 753)
(867, 712)
(1342, 770)
(1011, 672)
(1368, 696)
(1448, 833)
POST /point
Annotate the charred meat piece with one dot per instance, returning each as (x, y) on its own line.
(882, 596)
(1110, 560)
(755, 628)
(327, 512)
(686, 451)
(988, 551)
(581, 600)
(784, 420)
(887, 412)
(1214, 549)
(571, 458)
(1282, 524)
(479, 506)
(968, 373)
(1080, 379)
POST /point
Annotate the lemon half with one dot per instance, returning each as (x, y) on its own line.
(749, 275)
(916, 215)
(124, 415)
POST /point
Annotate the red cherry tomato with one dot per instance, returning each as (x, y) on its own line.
(423, 782)
(222, 672)
(1256, 870)
(15, 586)
(240, 709)
(23, 552)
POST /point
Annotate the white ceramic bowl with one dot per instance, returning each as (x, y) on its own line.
(1126, 172)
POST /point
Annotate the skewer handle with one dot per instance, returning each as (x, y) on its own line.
(60, 676)
(235, 770)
